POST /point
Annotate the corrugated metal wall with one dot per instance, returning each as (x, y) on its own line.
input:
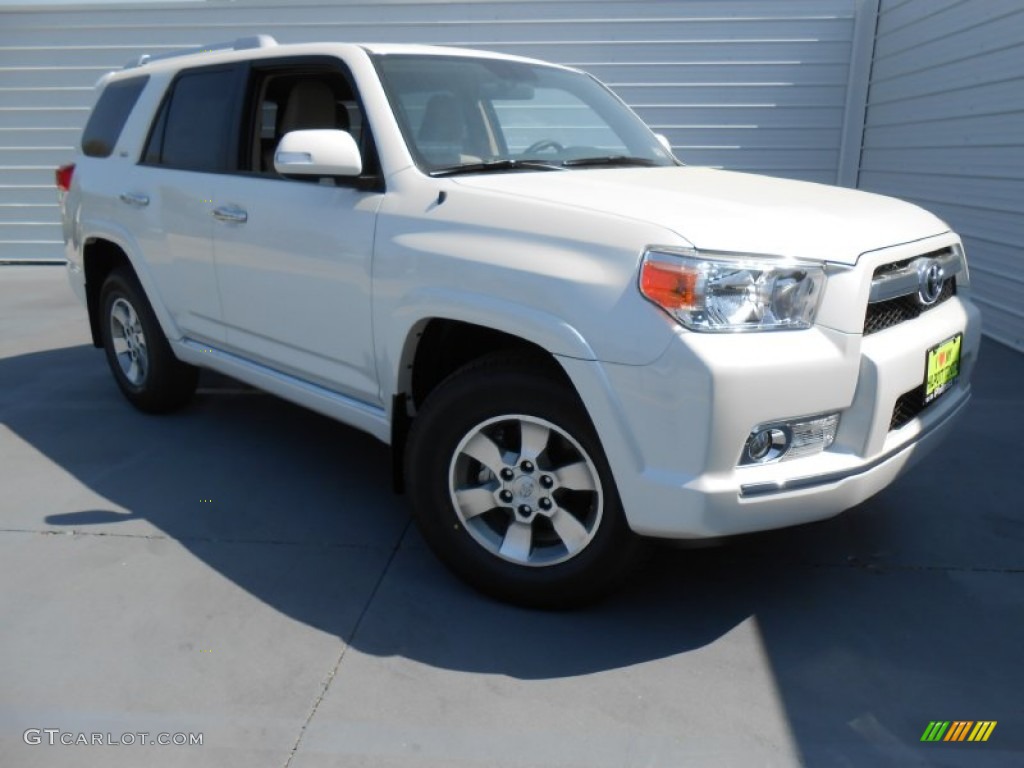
(945, 128)
(755, 85)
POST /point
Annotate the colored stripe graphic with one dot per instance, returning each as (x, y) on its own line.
(958, 730)
(982, 730)
(935, 730)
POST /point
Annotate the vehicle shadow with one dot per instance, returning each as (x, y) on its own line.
(861, 617)
(238, 466)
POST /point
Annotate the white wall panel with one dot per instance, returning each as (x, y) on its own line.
(945, 128)
(756, 85)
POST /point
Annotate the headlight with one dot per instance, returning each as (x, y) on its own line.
(731, 292)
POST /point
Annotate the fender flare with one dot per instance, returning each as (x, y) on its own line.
(123, 240)
(397, 342)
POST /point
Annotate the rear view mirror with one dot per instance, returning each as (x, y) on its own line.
(320, 152)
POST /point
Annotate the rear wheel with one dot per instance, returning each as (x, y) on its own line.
(140, 358)
(511, 488)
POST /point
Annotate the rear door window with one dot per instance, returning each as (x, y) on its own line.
(195, 129)
(109, 116)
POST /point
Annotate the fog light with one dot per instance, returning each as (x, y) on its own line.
(759, 444)
(790, 439)
(767, 444)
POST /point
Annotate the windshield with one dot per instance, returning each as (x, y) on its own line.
(463, 114)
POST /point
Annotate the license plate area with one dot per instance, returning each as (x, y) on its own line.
(942, 367)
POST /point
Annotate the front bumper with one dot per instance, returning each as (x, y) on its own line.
(674, 431)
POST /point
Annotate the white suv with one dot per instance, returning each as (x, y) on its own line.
(569, 338)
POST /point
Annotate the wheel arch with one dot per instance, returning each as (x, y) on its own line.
(399, 338)
(102, 253)
(441, 346)
(100, 257)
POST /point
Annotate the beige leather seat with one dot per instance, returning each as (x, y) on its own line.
(442, 121)
(311, 104)
(442, 136)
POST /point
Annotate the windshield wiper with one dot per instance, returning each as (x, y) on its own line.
(498, 165)
(609, 162)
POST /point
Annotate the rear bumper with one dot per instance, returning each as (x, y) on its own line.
(674, 431)
(76, 278)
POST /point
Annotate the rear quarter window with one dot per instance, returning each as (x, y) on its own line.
(109, 116)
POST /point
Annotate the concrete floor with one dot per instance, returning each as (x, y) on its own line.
(241, 569)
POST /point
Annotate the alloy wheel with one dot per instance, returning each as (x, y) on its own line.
(525, 490)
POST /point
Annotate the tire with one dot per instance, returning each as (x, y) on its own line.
(511, 488)
(140, 358)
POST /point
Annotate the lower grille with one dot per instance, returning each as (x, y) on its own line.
(908, 405)
(886, 314)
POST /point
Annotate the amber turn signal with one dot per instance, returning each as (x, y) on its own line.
(672, 286)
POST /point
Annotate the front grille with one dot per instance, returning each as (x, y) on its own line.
(908, 405)
(886, 314)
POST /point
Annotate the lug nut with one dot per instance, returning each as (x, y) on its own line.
(546, 481)
(526, 466)
(545, 503)
(525, 510)
(505, 496)
(507, 474)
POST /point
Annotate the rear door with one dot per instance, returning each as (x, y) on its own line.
(192, 139)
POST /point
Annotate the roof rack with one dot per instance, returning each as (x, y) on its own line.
(241, 44)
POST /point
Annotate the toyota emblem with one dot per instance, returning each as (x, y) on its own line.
(931, 278)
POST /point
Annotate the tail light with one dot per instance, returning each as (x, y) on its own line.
(64, 174)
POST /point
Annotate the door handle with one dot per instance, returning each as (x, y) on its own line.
(134, 199)
(231, 214)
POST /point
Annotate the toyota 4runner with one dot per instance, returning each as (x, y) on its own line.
(570, 339)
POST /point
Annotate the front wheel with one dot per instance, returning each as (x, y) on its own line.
(511, 488)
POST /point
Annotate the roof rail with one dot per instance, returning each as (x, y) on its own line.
(241, 44)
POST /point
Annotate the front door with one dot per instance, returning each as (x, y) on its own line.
(293, 257)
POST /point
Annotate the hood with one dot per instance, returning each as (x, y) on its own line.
(727, 211)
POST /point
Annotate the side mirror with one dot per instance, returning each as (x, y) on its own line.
(665, 143)
(320, 152)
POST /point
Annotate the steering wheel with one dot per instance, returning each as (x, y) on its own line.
(539, 146)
